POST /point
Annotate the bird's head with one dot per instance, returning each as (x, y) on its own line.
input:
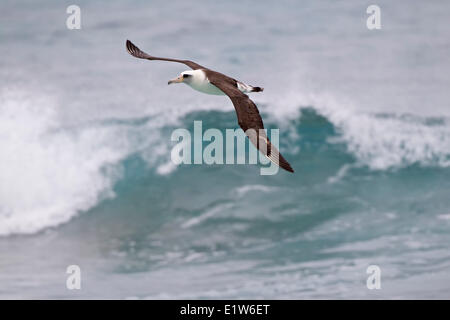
(185, 77)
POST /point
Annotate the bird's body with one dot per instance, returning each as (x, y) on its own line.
(212, 82)
(198, 81)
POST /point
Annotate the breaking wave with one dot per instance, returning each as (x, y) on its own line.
(50, 173)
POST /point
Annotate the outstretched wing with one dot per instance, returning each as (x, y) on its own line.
(249, 118)
(138, 53)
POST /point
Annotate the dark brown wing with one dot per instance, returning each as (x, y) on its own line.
(249, 119)
(138, 53)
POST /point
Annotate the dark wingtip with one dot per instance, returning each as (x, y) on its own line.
(287, 167)
(130, 46)
(133, 50)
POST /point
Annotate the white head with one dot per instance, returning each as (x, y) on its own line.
(185, 76)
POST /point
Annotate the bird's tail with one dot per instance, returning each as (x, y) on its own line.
(257, 89)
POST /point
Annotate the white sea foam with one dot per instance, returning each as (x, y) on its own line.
(339, 174)
(47, 174)
(394, 141)
(380, 141)
(241, 191)
(444, 216)
(206, 215)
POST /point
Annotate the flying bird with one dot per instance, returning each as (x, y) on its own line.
(212, 82)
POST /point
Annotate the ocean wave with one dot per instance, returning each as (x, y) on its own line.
(383, 141)
(51, 173)
(48, 175)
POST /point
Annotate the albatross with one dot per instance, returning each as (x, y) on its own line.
(212, 82)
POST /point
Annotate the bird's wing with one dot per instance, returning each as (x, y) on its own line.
(249, 118)
(138, 53)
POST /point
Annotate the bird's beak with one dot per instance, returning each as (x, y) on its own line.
(176, 80)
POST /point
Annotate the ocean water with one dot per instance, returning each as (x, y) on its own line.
(86, 177)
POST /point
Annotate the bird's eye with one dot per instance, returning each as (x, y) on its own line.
(186, 76)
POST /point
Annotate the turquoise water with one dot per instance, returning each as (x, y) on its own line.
(86, 176)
